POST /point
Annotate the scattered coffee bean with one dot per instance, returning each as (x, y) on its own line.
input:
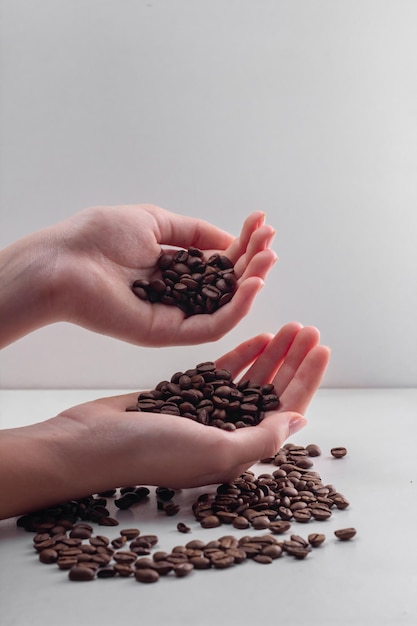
(130, 533)
(146, 575)
(183, 528)
(48, 555)
(81, 573)
(344, 534)
(316, 539)
(339, 452)
(313, 449)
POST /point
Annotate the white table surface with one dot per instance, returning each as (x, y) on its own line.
(369, 580)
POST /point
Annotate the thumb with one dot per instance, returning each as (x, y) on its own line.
(264, 440)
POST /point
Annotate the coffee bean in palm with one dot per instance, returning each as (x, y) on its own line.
(207, 395)
(190, 282)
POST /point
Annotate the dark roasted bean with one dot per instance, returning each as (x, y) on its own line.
(344, 534)
(81, 573)
(147, 575)
(338, 452)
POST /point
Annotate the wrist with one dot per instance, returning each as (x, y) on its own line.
(30, 285)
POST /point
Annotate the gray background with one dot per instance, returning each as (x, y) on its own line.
(306, 109)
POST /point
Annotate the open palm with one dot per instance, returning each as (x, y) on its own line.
(159, 449)
(105, 249)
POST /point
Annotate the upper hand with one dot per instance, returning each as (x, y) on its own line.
(103, 250)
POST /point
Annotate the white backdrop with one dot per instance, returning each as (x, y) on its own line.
(306, 109)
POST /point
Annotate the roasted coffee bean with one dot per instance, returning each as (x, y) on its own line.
(344, 534)
(99, 540)
(200, 562)
(81, 573)
(124, 569)
(316, 539)
(211, 521)
(222, 561)
(208, 396)
(240, 522)
(106, 572)
(183, 569)
(274, 551)
(313, 449)
(279, 527)
(66, 562)
(130, 533)
(198, 286)
(146, 575)
(108, 521)
(48, 555)
(80, 532)
(338, 452)
(163, 567)
(183, 528)
(171, 509)
(125, 556)
(262, 558)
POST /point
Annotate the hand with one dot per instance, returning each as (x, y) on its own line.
(106, 249)
(81, 271)
(98, 445)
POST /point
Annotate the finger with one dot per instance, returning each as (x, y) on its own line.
(260, 265)
(306, 339)
(258, 442)
(265, 368)
(307, 379)
(238, 247)
(244, 354)
(260, 240)
(182, 231)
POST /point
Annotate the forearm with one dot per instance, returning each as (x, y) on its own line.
(29, 285)
(46, 464)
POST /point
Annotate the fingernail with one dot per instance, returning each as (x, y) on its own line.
(296, 424)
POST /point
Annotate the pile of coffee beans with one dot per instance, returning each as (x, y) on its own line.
(292, 492)
(86, 556)
(209, 396)
(269, 502)
(190, 282)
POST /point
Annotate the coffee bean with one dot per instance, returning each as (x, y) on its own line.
(313, 449)
(273, 551)
(211, 521)
(197, 286)
(123, 569)
(130, 533)
(338, 452)
(118, 543)
(262, 558)
(48, 555)
(183, 528)
(81, 573)
(200, 562)
(183, 569)
(146, 575)
(316, 539)
(344, 534)
(240, 522)
(106, 572)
